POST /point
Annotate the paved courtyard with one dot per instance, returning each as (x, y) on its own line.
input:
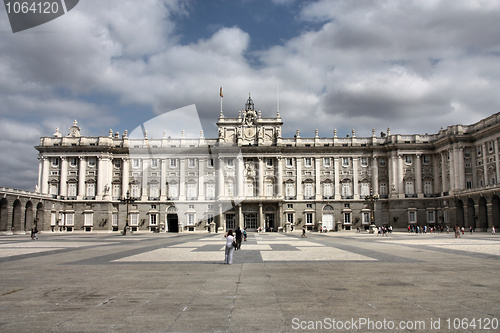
(278, 283)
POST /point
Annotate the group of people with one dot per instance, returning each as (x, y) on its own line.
(34, 233)
(233, 243)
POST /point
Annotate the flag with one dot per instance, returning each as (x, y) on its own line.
(221, 95)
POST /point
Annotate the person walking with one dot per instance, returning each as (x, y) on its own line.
(493, 229)
(245, 235)
(229, 247)
(304, 232)
(238, 237)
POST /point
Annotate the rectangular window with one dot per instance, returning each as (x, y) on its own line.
(71, 189)
(269, 162)
(210, 190)
(173, 163)
(364, 161)
(308, 190)
(117, 163)
(154, 163)
(230, 189)
(249, 189)
(309, 218)
(191, 191)
(230, 162)
(289, 162)
(346, 189)
(154, 192)
(430, 217)
(327, 190)
(290, 206)
(91, 161)
(172, 191)
(190, 219)
(230, 221)
(468, 184)
(73, 161)
(269, 189)
(153, 219)
(383, 189)
(365, 189)
(381, 162)
(327, 161)
(88, 219)
(412, 217)
(90, 190)
(408, 159)
(426, 159)
(135, 191)
(308, 162)
(345, 161)
(70, 219)
(289, 190)
(191, 162)
(114, 220)
(135, 163)
(289, 217)
(117, 190)
(210, 163)
(365, 218)
(53, 219)
(427, 187)
(134, 219)
(347, 218)
(409, 188)
(55, 161)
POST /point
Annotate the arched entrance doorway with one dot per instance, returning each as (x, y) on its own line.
(328, 219)
(270, 219)
(172, 220)
(4, 214)
(28, 216)
(482, 214)
(460, 213)
(471, 213)
(16, 217)
(39, 219)
(495, 211)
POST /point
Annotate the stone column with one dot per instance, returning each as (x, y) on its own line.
(436, 173)
(299, 178)
(317, 177)
(145, 173)
(485, 165)
(355, 173)
(163, 180)
(418, 176)
(239, 190)
(374, 175)
(125, 176)
(400, 182)
(337, 177)
(44, 188)
(100, 178)
(461, 169)
(220, 179)
(260, 190)
(393, 184)
(262, 222)
(40, 170)
(279, 185)
(182, 179)
(201, 180)
(443, 172)
(451, 169)
(82, 170)
(240, 217)
(497, 162)
(63, 185)
(222, 220)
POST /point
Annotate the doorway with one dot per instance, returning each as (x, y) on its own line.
(172, 223)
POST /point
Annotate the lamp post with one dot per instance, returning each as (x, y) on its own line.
(128, 200)
(372, 198)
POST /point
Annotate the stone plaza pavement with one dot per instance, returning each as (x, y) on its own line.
(100, 282)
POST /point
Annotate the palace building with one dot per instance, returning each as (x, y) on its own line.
(250, 176)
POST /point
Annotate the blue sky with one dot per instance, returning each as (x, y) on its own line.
(414, 66)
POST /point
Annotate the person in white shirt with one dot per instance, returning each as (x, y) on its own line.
(229, 247)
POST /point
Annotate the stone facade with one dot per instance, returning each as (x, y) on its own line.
(249, 176)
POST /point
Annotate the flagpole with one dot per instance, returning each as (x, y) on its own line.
(221, 95)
